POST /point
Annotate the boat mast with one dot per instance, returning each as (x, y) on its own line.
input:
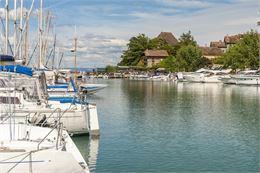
(6, 25)
(40, 35)
(54, 50)
(21, 28)
(75, 55)
(26, 40)
(15, 26)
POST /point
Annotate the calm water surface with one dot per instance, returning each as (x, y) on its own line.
(166, 127)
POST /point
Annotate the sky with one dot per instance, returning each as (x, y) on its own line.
(103, 27)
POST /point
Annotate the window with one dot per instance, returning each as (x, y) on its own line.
(9, 100)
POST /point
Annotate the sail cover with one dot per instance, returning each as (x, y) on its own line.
(6, 58)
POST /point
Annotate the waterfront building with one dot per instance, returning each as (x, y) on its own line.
(154, 57)
(169, 38)
(219, 44)
(211, 52)
(232, 39)
(229, 41)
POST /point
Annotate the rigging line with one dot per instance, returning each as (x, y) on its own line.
(32, 54)
(14, 157)
(60, 60)
(48, 58)
(9, 44)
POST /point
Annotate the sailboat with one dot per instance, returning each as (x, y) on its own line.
(28, 148)
(31, 99)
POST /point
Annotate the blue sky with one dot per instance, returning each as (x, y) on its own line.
(105, 26)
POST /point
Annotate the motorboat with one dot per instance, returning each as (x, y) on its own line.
(207, 76)
(160, 77)
(249, 77)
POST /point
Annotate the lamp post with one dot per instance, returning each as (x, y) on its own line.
(258, 35)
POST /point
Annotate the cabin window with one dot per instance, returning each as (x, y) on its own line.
(9, 100)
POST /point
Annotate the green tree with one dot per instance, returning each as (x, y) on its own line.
(135, 50)
(161, 44)
(110, 68)
(187, 39)
(134, 54)
(169, 63)
(245, 54)
(189, 58)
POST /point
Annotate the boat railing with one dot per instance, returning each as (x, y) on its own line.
(52, 115)
(5, 119)
(59, 126)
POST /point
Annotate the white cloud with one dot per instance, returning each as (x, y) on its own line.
(93, 50)
(186, 3)
(12, 13)
(102, 42)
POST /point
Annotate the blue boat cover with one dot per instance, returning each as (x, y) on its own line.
(57, 86)
(59, 98)
(73, 85)
(17, 69)
(62, 83)
(67, 100)
(6, 58)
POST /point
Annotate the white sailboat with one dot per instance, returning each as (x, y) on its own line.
(29, 99)
(28, 148)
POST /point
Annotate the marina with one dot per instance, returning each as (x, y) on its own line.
(100, 86)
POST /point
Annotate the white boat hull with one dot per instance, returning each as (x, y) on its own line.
(40, 162)
(25, 148)
(75, 121)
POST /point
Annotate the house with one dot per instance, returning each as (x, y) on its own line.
(211, 52)
(219, 44)
(231, 40)
(169, 38)
(154, 57)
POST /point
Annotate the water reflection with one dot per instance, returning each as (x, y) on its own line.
(89, 150)
(195, 126)
(166, 127)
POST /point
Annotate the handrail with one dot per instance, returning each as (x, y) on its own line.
(58, 111)
(38, 146)
(58, 124)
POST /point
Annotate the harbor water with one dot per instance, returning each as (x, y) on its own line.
(175, 127)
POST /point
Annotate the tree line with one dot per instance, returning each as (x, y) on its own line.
(187, 55)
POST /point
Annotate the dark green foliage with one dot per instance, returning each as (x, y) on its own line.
(189, 58)
(245, 54)
(187, 39)
(135, 50)
(110, 68)
(169, 63)
(134, 54)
